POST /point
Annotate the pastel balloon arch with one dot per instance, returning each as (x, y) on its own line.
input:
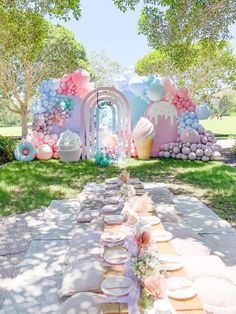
(151, 106)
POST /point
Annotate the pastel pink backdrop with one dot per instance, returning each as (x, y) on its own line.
(163, 115)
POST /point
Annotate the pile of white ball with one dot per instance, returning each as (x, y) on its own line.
(193, 145)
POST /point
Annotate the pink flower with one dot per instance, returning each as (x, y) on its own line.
(153, 285)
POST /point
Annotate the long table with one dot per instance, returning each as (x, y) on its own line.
(190, 306)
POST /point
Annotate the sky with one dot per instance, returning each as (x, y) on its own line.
(103, 27)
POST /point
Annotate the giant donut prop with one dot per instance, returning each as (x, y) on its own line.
(25, 151)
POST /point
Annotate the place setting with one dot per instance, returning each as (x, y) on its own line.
(116, 255)
(117, 286)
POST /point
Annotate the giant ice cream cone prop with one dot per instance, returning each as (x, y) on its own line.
(143, 135)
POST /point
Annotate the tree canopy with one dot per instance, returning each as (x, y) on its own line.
(205, 74)
(105, 69)
(62, 9)
(51, 54)
(171, 23)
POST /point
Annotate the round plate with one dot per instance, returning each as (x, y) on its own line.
(153, 220)
(112, 200)
(110, 208)
(112, 237)
(111, 193)
(170, 262)
(140, 191)
(180, 288)
(161, 236)
(116, 256)
(113, 219)
(117, 286)
(112, 181)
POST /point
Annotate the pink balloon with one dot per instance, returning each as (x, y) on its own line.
(182, 92)
(54, 137)
(40, 135)
(81, 78)
(44, 152)
(66, 77)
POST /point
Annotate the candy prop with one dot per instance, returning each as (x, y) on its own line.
(193, 145)
(143, 135)
(25, 151)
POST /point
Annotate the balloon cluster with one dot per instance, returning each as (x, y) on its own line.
(45, 145)
(193, 145)
(150, 88)
(187, 120)
(57, 116)
(48, 98)
(182, 101)
(102, 159)
(75, 84)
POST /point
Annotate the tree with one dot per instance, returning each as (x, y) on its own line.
(222, 106)
(204, 74)
(105, 69)
(22, 70)
(62, 9)
(177, 24)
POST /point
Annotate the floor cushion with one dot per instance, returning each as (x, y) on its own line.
(83, 275)
(87, 215)
(200, 266)
(217, 295)
(168, 213)
(185, 241)
(82, 303)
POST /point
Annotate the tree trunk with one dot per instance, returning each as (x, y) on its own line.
(24, 123)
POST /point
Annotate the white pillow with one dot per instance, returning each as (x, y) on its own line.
(217, 295)
(83, 275)
(87, 215)
(82, 303)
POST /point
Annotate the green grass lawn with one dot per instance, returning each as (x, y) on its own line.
(26, 186)
(10, 131)
(224, 126)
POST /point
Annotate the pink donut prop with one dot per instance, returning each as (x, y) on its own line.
(163, 115)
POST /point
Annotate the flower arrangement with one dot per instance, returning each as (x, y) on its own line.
(127, 191)
(142, 204)
(124, 176)
(146, 265)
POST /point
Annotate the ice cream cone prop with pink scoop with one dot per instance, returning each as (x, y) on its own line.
(143, 135)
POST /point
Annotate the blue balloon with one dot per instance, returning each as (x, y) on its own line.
(203, 112)
(156, 90)
(189, 121)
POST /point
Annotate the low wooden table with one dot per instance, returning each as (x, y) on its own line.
(190, 306)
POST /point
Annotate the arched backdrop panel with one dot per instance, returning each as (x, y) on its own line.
(87, 114)
(163, 115)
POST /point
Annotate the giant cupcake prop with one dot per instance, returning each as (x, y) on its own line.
(143, 135)
(69, 146)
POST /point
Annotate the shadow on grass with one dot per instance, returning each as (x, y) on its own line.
(26, 186)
